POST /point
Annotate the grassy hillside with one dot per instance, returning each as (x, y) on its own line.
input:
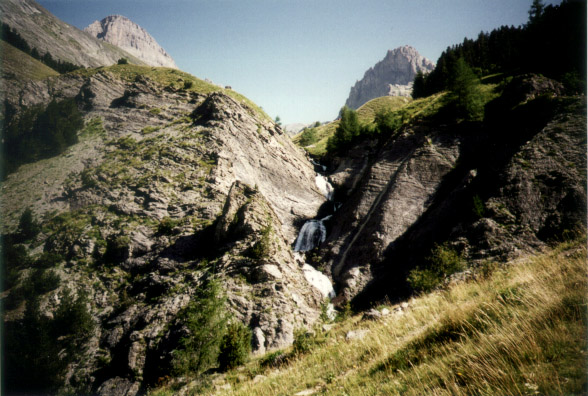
(517, 330)
(16, 64)
(172, 78)
(403, 110)
(366, 115)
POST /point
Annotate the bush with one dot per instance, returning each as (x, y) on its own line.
(48, 260)
(27, 226)
(423, 280)
(117, 249)
(205, 320)
(308, 137)
(478, 206)
(15, 258)
(188, 84)
(36, 133)
(443, 261)
(305, 341)
(261, 248)
(166, 225)
(42, 348)
(346, 131)
(235, 346)
(123, 61)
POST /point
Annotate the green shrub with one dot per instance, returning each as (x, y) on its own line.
(346, 131)
(166, 225)
(27, 226)
(47, 281)
(15, 258)
(443, 261)
(205, 320)
(117, 249)
(274, 359)
(48, 260)
(478, 206)
(188, 84)
(423, 280)
(42, 348)
(308, 137)
(235, 346)
(305, 341)
(261, 248)
(123, 61)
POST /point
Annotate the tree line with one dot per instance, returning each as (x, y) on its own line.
(38, 132)
(552, 43)
(12, 37)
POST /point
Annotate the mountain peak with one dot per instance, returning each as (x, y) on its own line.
(121, 31)
(392, 76)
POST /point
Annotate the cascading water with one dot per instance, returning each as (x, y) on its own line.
(312, 234)
(324, 186)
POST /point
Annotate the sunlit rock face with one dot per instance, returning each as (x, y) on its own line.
(126, 34)
(392, 76)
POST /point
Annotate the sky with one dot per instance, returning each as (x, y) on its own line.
(297, 59)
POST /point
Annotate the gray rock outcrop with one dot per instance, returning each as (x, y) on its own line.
(496, 190)
(126, 34)
(392, 76)
(169, 185)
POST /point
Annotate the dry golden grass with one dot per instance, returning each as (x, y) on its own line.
(519, 331)
(19, 65)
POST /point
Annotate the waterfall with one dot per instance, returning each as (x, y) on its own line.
(312, 234)
(316, 164)
(324, 186)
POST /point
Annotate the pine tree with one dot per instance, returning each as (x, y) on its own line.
(205, 318)
(465, 88)
(536, 11)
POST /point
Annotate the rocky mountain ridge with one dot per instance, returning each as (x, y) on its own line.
(48, 34)
(392, 76)
(124, 33)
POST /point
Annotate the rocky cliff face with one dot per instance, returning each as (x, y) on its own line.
(124, 33)
(165, 186)
(391, 76)
(45, 32)
(493, 190)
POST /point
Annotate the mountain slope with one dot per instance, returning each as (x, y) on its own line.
(124, 33)
(16, 65)
(486, 190)
(47, 33)
(393, 76)
(168, 185)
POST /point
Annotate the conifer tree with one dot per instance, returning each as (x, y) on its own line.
(465, 88)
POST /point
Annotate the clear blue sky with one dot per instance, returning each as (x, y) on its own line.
(297, 58)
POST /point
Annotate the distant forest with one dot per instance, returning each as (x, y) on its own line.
(12, 37)
(552, 43)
